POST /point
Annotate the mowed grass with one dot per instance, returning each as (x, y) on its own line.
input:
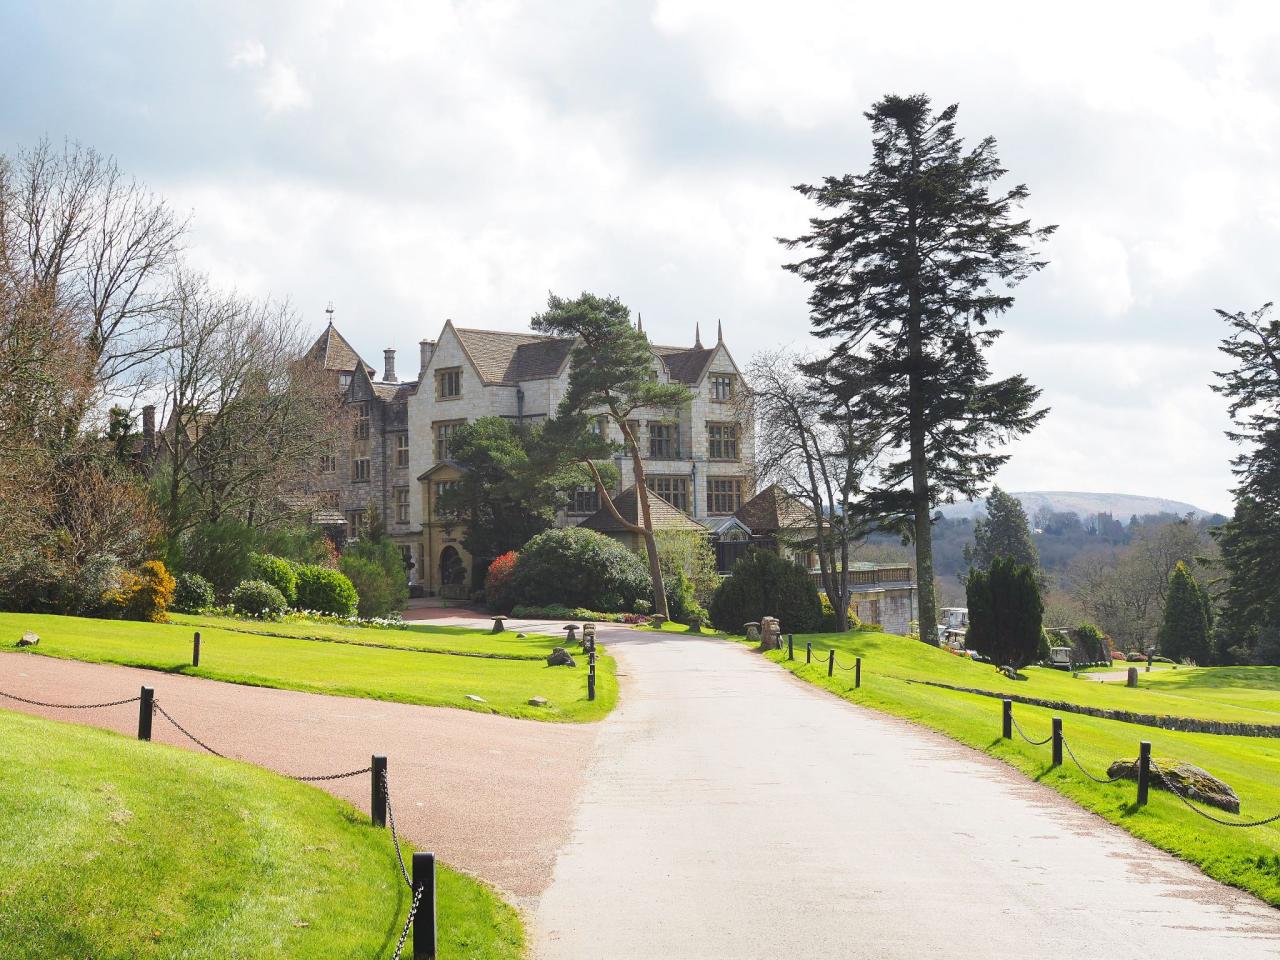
(1246, 858)
(115, 849)
(343, 669)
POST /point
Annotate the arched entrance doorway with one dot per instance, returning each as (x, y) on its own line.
(453, 574)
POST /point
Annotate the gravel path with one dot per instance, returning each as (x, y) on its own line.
(489, 795)
(732, 811)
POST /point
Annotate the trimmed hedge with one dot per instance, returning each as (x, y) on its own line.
(277, 571)
(574, 567)
(763, 584)
(257, 598)
(193, 594)
(326, 591)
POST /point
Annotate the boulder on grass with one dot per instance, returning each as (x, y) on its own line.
(538, 701)
(559, 657)
(29, 639)
(1189, 780)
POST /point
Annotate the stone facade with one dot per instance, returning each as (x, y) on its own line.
(699, 460)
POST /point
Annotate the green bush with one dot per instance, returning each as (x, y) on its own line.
(682, 601)
(193, 593)
(257, 598)
(558, 611)
(371, 583)
(763, 584)
(277, 571)
(326, 591)
(579, 568)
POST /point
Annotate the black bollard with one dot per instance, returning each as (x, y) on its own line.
(1057, 741)
(808, 651)
(791, 653)
(195, 650)
(377, 790)
(857, 672)
(1006, 729)
(144, 713)
(831, 663)
(591, 675)
(424, 921)
(1144, 771)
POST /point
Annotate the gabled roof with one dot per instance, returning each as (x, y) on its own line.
(685, 364)
(390, 392)
(662, 513)
(774, 509)
(507, 357)
(332, 352)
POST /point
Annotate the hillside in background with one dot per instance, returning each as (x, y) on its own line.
(1121, 506)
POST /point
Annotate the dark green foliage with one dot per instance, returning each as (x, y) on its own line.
(193, 594)
(278, 572)
(1184, 631)
(763, 584)
(1090, 644)
(500, 500)
(1003, 532)
(1250, 541)
(257, 598)
(903, 276)
(682, 599)
(219, 552)
(1005, 613)
(376, 569)
(579, 568)
(323, 590)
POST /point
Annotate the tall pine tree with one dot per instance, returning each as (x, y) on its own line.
(1184, 631)
(1003, 532)
(1250, 541)
(903, 276)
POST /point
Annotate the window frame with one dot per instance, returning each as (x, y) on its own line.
(451, 375)
(671, 479)
(715, 427)
(402, 449)
(361, 430)
(442, 454)
(673, 453)
(357, 470)
(715, 507)
(727, 381)
(402, 504)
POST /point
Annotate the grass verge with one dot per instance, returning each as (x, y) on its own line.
(405, 676)
(116, 849)
(1245, 858)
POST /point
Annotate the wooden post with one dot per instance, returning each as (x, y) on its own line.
(195, 650)
(591, 675)
(144, 713)
(1144, 771)
(831, 662)
(1006, 729)
(808, 651)
(377, 791)
(1057, 741)
(424, 922)
(857, 672)
(791, 653)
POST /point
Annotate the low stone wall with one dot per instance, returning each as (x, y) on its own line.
(1185, 724)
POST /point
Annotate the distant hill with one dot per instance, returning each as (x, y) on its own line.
(1122, 506)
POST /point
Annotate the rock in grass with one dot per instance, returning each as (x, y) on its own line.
(559, 657)
(538, 701)
(29, 639)
(474, 699)
(1189, 780)
(519, 636)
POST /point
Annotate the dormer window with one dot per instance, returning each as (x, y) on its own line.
(722, 386)
(344, 382)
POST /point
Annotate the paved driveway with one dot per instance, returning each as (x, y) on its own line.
(734, 812)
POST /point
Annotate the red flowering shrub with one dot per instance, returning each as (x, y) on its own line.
(497, 581)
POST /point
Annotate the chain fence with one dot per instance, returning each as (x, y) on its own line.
(1035, 743)
(1074, 759)
(69, 706)
(1169, 785)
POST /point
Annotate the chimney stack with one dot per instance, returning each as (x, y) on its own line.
(389, 366)
(427, 348)
(149, 426)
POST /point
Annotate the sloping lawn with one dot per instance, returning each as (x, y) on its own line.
(1247, 858)
(406, 676)
(115, 849)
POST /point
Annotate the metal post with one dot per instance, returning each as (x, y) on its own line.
(1057, 741)
(808, 651)
(857, 672)
(791, 653)
(1150, 654)
(195, 650)
(1144, 771)
(831, 663)
(424, 921)
(591, 675)
(1006, 729)
(377, 791)
(144, 713)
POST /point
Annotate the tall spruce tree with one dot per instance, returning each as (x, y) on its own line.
(903, 277)
(1250, 540)
(1003, 532)
(1184, 630)
(1006, 614)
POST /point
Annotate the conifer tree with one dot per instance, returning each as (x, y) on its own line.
(904, 275)
(1003, 532)
(1184, 631)
(1006, 614)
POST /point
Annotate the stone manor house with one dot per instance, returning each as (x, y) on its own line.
(396, 456)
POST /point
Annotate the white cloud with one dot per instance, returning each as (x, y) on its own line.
(250, 53)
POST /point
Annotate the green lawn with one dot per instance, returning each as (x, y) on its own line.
(434, 679)
(1247, 858)
(115, 849)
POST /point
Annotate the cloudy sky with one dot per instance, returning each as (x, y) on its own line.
(416, 161)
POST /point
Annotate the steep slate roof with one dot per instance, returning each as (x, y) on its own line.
(506, 357)
(333, 352)
(685, 364)
(774, 509)
(389, 392)
(662, 513)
